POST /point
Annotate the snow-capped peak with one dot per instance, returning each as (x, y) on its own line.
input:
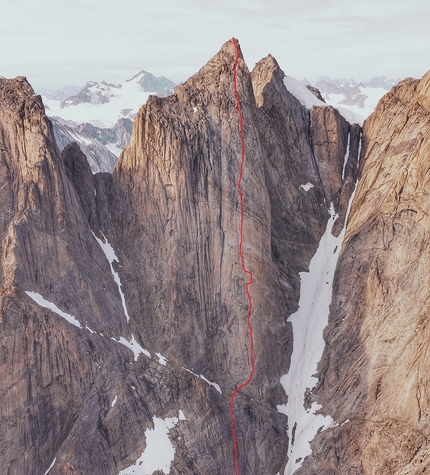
(102, 103)
(137, 77)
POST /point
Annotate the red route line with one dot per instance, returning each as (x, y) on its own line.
(245, 270)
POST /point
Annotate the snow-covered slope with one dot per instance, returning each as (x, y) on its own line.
(308, 99)
(360, 99)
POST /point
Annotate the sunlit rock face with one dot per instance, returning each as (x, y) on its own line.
(373, 376)
(122, 299)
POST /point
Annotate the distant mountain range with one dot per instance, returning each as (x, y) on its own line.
(99, 115)
(103, 104)
(360, 98)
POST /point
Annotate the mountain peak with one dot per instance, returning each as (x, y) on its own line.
(11, 89)
(140, 74)
(267, 70)
(149, 83)
(230, 47)
(218, 65)
(18, 97)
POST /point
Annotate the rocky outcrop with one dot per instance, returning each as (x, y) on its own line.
(316, 92)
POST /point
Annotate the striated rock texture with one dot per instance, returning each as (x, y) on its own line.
(122, 297)
(374, 376)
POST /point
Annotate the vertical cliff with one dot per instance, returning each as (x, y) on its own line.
(374, 374)
(177, 205)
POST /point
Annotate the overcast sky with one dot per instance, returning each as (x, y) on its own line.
(59, 42)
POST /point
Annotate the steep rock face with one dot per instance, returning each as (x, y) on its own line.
(179, 177)
(292, 175)
(48, 367)
(177, 206)
(62, 360)
(122, 296)
(374, 374)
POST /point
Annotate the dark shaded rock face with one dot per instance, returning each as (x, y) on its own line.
(316, 92)
(122, 296)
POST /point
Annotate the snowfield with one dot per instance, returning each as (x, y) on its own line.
(308, 345)
(122, 102)
(309, 100)
(355, 104)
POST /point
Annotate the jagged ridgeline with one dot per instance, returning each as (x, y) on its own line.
(123, 313)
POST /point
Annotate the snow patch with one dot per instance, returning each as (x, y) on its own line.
(134, 346)
(114, 149)
(161, 359)
(51, 306)
(52, 464)
(114, 401)
(359, 151)
(182, 415)
(80, 138)
(215, 385)
(302, 93)
(350, 115)
(373, 95)
(159, 452)
(111, 257)
(306, 187)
